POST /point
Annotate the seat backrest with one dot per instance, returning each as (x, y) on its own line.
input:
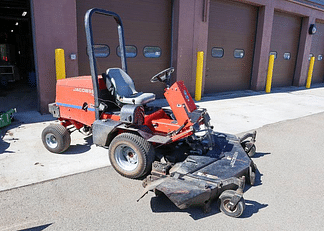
(123, 83)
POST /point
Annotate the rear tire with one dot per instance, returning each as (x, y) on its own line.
(56, 138)
(131, 155)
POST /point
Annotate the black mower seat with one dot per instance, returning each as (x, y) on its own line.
(125, 89)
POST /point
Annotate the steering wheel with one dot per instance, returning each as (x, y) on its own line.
(163, 76)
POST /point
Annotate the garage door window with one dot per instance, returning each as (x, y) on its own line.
(101, 50)
(217, 52)
(131, 51)
(238, 53)
(320, 57)
(287, 56)
(152, 52)
(274, 53)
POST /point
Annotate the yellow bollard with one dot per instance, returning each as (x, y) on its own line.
(270, 73)
(60, 64)
(310, 72)
(199, 73)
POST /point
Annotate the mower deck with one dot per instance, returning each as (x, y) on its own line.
(201, 178)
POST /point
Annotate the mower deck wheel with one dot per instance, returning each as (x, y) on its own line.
(131, 155)
(251, 177)
(56, 138)
(224, 207)
(249, 148)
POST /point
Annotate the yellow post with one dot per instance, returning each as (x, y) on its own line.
(60, 64)
(270, 73)
(310, 72)
(199, 74)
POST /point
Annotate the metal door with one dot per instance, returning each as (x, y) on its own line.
(284, 44)
(317, 50)
(231, 34)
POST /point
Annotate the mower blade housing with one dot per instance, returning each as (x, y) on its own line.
(200, 178)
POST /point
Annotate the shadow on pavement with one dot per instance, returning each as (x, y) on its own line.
(258, 178)
(79, 148)
(260, 154)
(162, 204)
(24, 98)
(37, 228)
(20, 119)
(3, 146)
(31, 117)
(252, 207)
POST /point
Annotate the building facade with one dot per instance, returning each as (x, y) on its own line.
(236, 37)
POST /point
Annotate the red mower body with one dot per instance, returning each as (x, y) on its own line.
(74, 97)
(75, 100)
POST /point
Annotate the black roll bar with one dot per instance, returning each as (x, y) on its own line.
(90, 49)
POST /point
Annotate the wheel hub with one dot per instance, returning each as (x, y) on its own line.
(228, 205)
(126, 158)
(51, 140)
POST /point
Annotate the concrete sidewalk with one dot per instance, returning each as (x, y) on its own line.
(24, 160)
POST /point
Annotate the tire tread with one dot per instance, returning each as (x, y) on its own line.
(146, 148)
(62, 132)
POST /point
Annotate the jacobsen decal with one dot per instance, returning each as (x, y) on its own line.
(234, 159)
(85, 90)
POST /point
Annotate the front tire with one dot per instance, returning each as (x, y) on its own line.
(56, 138)
(224, 201)
(131, 155)
(249, 148)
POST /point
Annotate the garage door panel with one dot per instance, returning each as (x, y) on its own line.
(317, 50)
(146, 23)
(285, 39)
(232, 26)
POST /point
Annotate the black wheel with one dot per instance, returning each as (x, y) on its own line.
(252, 151)
(224, 207)
(131, 155)
(56, 138)
(249, 148)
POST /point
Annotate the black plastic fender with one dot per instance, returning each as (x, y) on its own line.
(102, 131)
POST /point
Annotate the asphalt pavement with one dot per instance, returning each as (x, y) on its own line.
(24, 160)
(287, 194)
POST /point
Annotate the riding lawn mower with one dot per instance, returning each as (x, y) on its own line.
(174, 149)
